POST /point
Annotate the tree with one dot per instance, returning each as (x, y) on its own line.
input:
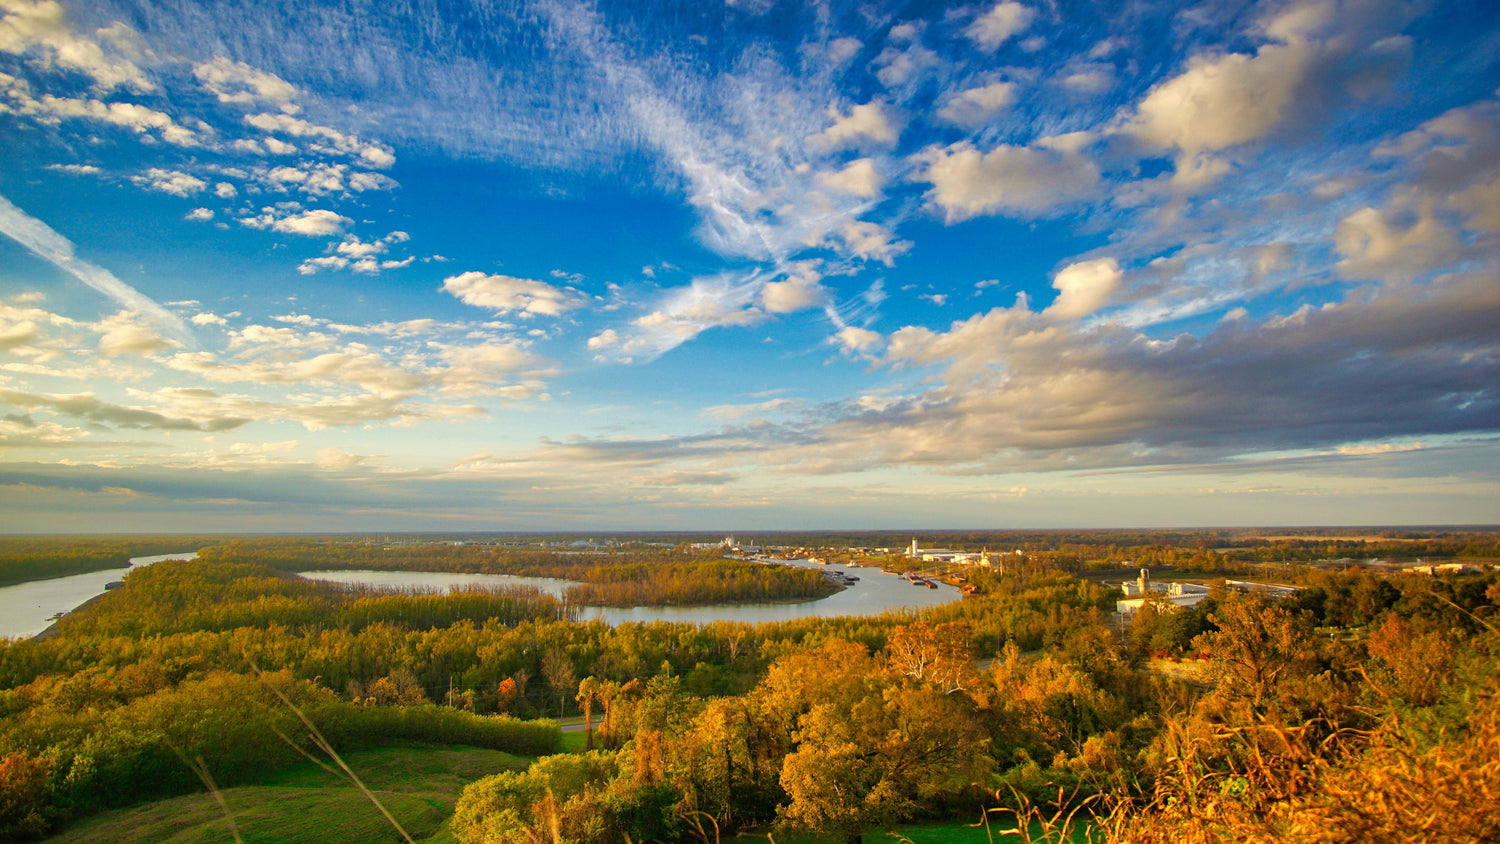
(938, 654)
(588, 692)
(1257, 648)
(878, 761)
(557, 670)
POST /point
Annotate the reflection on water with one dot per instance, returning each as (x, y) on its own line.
(874, 594)
(438, 581)
(26, 609)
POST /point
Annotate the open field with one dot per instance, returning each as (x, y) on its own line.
(418, 785)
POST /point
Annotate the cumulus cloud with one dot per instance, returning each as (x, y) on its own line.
(367, 153)
(858, 178)
(872, 123)
(503, 293)
(872, 241)
(241, 84)
(1224, 100)
(999, 24)
(1374, 247)
(138, 118)
(1021, 392)
(314, 223)
(1025, 181)
(126, 333)
(976, 107)
(170, 181)
(898, 66)
(76, 169)
(42, 30)
(859, 340)
(1084, 287)
(604, 339)
(794, 294)
(359, 255)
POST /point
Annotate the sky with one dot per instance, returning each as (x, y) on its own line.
(342, 265)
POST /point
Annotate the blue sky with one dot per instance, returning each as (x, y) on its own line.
(564, 265)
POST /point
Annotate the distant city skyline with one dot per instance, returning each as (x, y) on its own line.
(751, 265)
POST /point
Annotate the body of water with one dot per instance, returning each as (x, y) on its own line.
(875, 593)
(26, 609)
(438, 581)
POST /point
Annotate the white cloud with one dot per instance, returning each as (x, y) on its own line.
(1088, 79)
(1222, 101)
(871, 241)
(978, 106)
(139, 118)
(996, 26)
(199, 215)
(1372, 246)
(170, 181)
(757, 409)
(870, 122)
(504, 293)
(315, 223)
(241, 84)
(225, 190)
(859, 340)
(1024, 181)
(75, 169)
(604, 339)
(42, 29)
(1084, 287)
(859, 178)
(208, 319)
(126, 333)
(794, 294)
(53, 247)
(841, 50)
(898, 67)
(370, 154)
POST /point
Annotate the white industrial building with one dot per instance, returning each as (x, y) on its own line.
(1176, 594)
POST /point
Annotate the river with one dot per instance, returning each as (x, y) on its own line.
(26, 609)
(875, 593)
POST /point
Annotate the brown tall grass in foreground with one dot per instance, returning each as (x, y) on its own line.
(1380, 786)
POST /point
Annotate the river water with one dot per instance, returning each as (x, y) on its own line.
(26, 609)
(875, 593)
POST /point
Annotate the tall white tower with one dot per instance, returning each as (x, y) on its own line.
(913, 551)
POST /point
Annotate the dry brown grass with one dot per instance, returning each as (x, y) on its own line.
(1288, 785)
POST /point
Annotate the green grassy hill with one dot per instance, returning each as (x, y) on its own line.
(418, 785)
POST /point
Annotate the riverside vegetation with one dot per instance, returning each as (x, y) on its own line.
(1361, 708)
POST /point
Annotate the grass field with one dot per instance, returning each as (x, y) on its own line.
(418, 785)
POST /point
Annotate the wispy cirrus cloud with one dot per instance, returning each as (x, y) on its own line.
(47, 244)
